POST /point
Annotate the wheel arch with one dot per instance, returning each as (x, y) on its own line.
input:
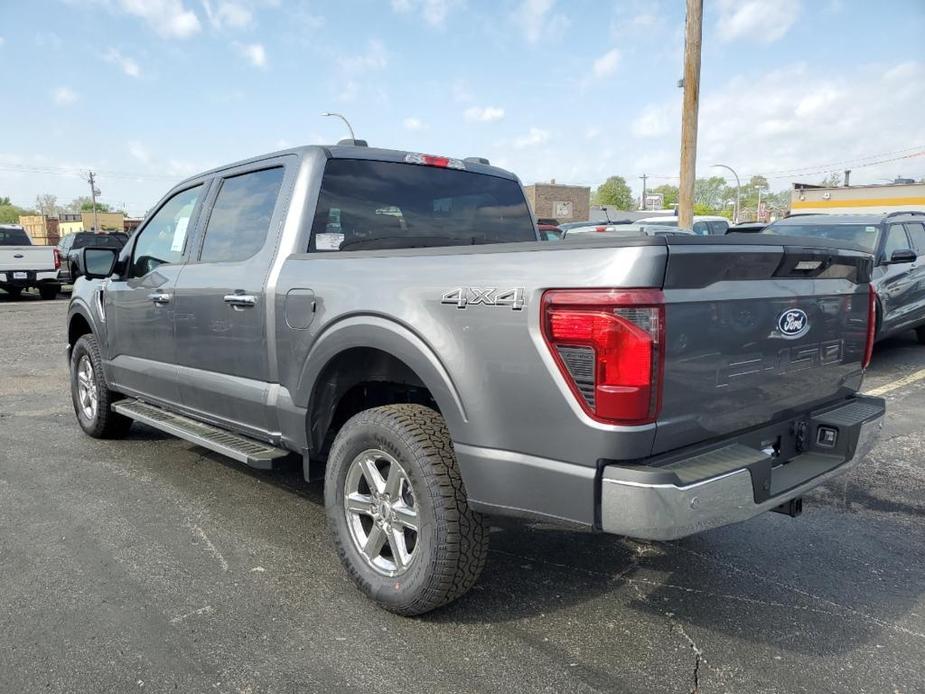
(365, 350)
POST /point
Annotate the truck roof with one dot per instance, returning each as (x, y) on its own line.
(348, 151)
(845, 218)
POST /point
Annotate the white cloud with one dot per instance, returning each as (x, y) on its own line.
(654, 121)
(374, 58)
(254, 53)
(228, 15)
(538, 20)
(139, 151)
(606, 64)
(764, 21)
(535, 137)
(411, 123)
(169, 18)
(126, 64)
(434, 12)
(64, 96)
(487, 114)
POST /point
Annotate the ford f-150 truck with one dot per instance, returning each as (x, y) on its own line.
(23, 265)
(394, 319)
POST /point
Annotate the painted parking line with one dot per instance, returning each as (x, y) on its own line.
(906, 380)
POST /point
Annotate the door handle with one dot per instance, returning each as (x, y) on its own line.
(159, 298)
(241, 300)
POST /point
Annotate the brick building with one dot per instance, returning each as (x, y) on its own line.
(563, 203)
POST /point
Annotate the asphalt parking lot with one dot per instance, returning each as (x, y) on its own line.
(150, 564)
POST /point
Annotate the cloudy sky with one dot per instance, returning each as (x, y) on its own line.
(149, 91)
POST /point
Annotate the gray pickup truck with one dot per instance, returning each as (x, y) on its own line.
(393, 319)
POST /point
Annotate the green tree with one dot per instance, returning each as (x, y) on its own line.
(709, 194)
(5, 201)
(9, 214)
(100, 207)
(669, 194)
(615, 193)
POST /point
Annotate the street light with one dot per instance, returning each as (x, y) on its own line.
(735, 213)
(337, 115)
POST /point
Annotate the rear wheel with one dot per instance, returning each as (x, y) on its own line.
(49, 291)
(91, 395)
(398, 511)
(14, 292)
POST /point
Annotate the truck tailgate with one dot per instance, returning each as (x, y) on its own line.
(758, 332)
(17, 258)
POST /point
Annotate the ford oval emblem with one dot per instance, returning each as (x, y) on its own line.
(793, 323)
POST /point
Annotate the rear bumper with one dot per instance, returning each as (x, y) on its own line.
(732, 483)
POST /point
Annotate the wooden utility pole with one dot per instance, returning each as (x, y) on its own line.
(644, 177)
(693, 34)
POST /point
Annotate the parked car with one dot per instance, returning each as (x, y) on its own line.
(394, 319)
(627, 230)
(23, 265)
(549, 232)
(746, 228)
(896, 240)
(704, 225)
(70, 244)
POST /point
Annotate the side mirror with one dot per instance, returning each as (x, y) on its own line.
(96, 263)
(905, 255)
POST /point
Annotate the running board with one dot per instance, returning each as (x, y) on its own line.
(245, 450)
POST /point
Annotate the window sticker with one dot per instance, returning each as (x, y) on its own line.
(870, 230)
(328, 241)
(179, 235)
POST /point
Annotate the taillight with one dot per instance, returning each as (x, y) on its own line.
(57, 259)
(609, 347)
(871, 325)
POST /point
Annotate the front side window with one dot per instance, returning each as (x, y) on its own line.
(163, 239)
(917, 233)
(240, 218)
(896, 240)
(370, 205)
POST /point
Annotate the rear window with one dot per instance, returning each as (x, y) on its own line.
(98, 241)
(14, 237)
(367, 205)
(864, 235)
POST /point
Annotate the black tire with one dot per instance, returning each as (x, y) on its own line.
(14, 292)
(49, 291)
(451, 544)
(920, 333)
(104, 423)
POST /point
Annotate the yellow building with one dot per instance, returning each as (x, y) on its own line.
(69, 223)
(108, 221)
(888, 197)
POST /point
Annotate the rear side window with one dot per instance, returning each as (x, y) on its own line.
(368, 205)
(98, 241)
(896, 240)
(14, 237)
(718, 227)
(240, 218)
(917, 233)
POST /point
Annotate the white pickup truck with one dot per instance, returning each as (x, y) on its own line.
(23, 265)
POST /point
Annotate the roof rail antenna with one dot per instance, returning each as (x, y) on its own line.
(353, 138)
(477, 160)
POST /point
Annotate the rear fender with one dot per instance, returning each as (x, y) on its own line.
(395, 339)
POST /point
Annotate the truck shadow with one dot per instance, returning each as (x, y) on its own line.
(792, 595)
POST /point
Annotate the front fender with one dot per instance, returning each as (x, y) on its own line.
(392, 338)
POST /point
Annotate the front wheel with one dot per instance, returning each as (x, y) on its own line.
(91, 395)
(398, 511)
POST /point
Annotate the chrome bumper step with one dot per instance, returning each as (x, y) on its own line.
(245, 450)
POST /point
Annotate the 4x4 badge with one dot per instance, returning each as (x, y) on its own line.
(461, 297)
